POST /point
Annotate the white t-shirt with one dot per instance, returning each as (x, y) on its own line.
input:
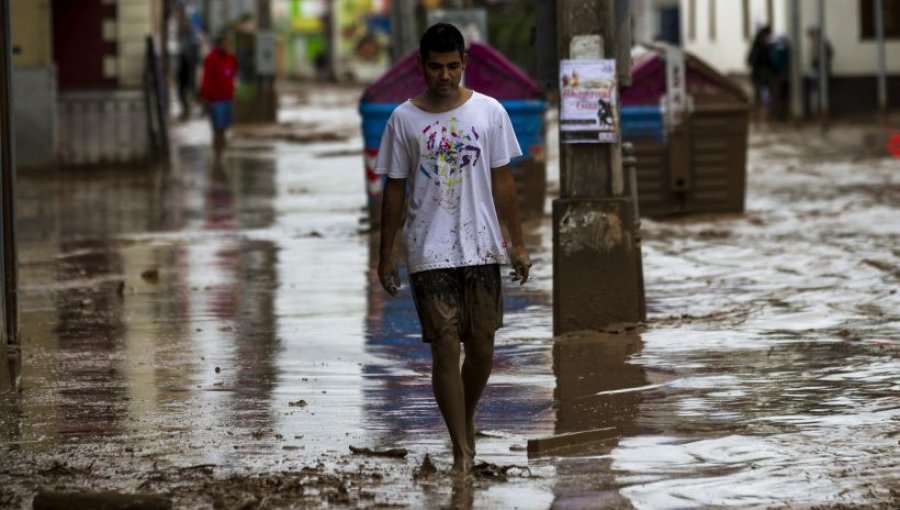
(447, 158)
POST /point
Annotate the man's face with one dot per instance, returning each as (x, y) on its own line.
(443, 72)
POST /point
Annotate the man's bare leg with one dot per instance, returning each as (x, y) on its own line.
(449, 394)
(476, 370)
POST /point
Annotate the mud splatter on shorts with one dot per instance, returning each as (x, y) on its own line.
(464, 302)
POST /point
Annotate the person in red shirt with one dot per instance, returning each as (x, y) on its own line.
(217, 89)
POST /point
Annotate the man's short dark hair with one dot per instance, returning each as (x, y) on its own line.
(441, 38)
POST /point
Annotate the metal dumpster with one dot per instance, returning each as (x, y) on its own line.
(488, 72)
(695, 161)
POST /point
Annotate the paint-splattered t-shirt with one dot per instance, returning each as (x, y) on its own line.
(447, 157)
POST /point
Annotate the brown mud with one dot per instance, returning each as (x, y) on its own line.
(172, 322)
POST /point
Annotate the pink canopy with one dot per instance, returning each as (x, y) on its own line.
(648, 78)
(488, 72)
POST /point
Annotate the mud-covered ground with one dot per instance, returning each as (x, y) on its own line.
(216, 335)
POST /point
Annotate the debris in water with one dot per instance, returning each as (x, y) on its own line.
(397, 453)
(151, 275)
(425, 470)
(488, 470)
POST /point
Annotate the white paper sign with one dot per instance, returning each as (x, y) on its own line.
(588, 110)
(265, 53)
(676, 100)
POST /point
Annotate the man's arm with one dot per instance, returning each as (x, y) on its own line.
(506, 201)
(391, 211)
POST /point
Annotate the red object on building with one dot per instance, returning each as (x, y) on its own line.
(219, 71)
(893, 145)
(79, 49)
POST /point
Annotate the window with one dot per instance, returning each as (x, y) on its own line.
(890, 10)
(712, 20)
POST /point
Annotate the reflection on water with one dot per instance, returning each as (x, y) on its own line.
(118, 329)
(597, 386)
(93, 395)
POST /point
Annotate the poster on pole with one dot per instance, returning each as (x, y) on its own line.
(588, 110)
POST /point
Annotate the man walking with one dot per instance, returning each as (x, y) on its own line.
(217, 89)
(451, 148)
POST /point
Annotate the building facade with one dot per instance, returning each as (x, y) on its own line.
(78, 80)
(720, 32)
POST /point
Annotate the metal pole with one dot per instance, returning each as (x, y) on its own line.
(823, 65)
(266, 94)
(207, 18)
(8, 196)
(164, 52)
(333, 36)
(796, 60)
(546, 64)
(882, 65)
(404, 37)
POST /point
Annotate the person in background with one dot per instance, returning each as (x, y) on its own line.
(780, 49)
(762, 70)
(450, 147)
(188, 57)
(217, 89)
(812, 79)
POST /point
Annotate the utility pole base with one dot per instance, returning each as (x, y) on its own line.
(597, 266)
(5, 369)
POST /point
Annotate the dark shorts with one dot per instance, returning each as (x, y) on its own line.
(222, 114)
(461, 302)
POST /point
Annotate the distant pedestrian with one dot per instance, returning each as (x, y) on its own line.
(217, 89)
(812, 79)
(188, 58)
(762, 69)
(780, 86)
(450, 147)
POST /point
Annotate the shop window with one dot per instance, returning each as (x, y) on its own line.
(890, 10)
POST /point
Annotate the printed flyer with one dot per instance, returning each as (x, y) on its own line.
(589, 110)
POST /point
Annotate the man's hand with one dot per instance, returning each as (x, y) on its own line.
(388, 276)
(521, 264)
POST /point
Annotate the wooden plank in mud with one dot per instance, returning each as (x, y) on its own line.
(46, 500)
(573, 442)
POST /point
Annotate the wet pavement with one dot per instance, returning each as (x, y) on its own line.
(217, 335)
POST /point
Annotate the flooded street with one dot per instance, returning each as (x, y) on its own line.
(217, 335)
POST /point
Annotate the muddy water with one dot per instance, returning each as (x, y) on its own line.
(182, 329)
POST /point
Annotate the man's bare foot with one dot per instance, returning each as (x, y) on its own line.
(462, 466)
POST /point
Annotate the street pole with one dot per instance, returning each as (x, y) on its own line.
(10, 312)
(404, 36)
(882, 65)
(207, 18)
(823, 66)
(546, 59)
(596, 251)
(333, 37)
(164, 52)
(796, 60)
(265, 63)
